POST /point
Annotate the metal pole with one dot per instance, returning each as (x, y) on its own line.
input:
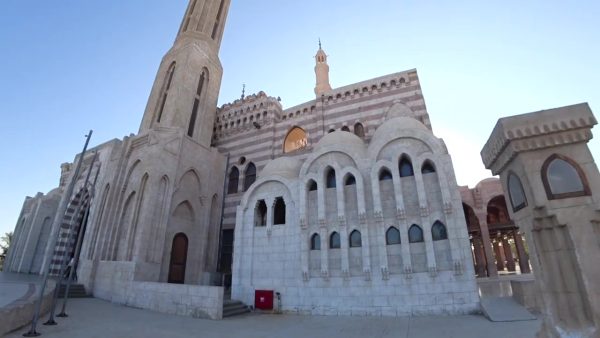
(57, 222)
(78, 245)
(65, 260)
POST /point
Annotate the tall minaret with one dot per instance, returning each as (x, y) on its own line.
(186, 88)
(322, 72)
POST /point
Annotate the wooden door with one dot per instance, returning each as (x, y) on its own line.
(178, 259)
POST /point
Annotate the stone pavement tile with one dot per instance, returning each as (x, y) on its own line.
(91, 318)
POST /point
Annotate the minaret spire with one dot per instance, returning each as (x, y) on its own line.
(185, 92)
(321, 72)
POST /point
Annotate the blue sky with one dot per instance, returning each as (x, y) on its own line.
(68, 66)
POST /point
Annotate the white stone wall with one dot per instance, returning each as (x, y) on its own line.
(114, 282)
(430, 277)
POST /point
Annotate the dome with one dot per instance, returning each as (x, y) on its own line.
(394, 125)
(287, 167)
(345, 138)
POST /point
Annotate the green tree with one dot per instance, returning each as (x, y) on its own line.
(5, 241)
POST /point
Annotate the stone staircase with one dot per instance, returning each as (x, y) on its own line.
(234, 308)
(75, 291)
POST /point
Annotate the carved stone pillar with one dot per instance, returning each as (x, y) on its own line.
(487, 245)
(480, 261)
(499, 255)
(521, 253)
(510, 260)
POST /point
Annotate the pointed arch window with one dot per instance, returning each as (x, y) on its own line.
(415, 234)
(196, 106)
(427, 167)
(312, 185)
(392, 236)
(405, 167)
(234, 177)
(315, 242)
(359, 130)
(260, 214)
(165, 92)
(250, 176)
(334, 241)
(385, 174)
(439, 231)
(350, 180)
(355, 239)
(296, 139)
(330, 178)
(345, 128)
(279, 211)
(518, 200)
(563, 178)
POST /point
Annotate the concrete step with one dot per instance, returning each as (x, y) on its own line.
(504, 309)
(75, 291)
(234, 308)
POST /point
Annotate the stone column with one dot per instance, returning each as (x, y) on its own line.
(487, 246)
(499, 255)
(510, 260)
(521, 253)
(480, 261)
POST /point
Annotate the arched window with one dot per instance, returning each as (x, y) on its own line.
(415, 234)
(260, 214)
(345, 128)
(197, 98)
(279, 211)
(427, 167)
(165, 91)
(355, 239)
(563, 178)
(295, 139)
(438, 231)
(330, 179)
(392, 236)
(350, 180)
(385, 174)
(405, 167)
(234, 176)
(359, 130)
(330, 131)
(334, 241)
(250, 176)
(312, 185)
(516, 193)
(315, 242)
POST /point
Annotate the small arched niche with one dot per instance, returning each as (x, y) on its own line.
(296, 139)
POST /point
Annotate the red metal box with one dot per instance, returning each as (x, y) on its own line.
(263, 299)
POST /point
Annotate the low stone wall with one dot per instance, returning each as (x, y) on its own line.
(115, 282)
(19, 313)
(525, 293)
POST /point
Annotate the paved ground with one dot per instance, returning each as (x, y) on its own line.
(15, 287)
(97, 318)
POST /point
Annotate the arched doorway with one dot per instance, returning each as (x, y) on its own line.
(179, 250)
(477, 249)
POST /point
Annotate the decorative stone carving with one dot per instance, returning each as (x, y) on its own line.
(433, 271)
(407, 271)
(362, 217)
(400, 214)
(341, 220)
(367, 273)
(325, 274)
(385, 273)
(424, 211)
(458, 269)
(303, 223)
(447, 207)
(305, 276)
(322, 223)
(346, 274)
